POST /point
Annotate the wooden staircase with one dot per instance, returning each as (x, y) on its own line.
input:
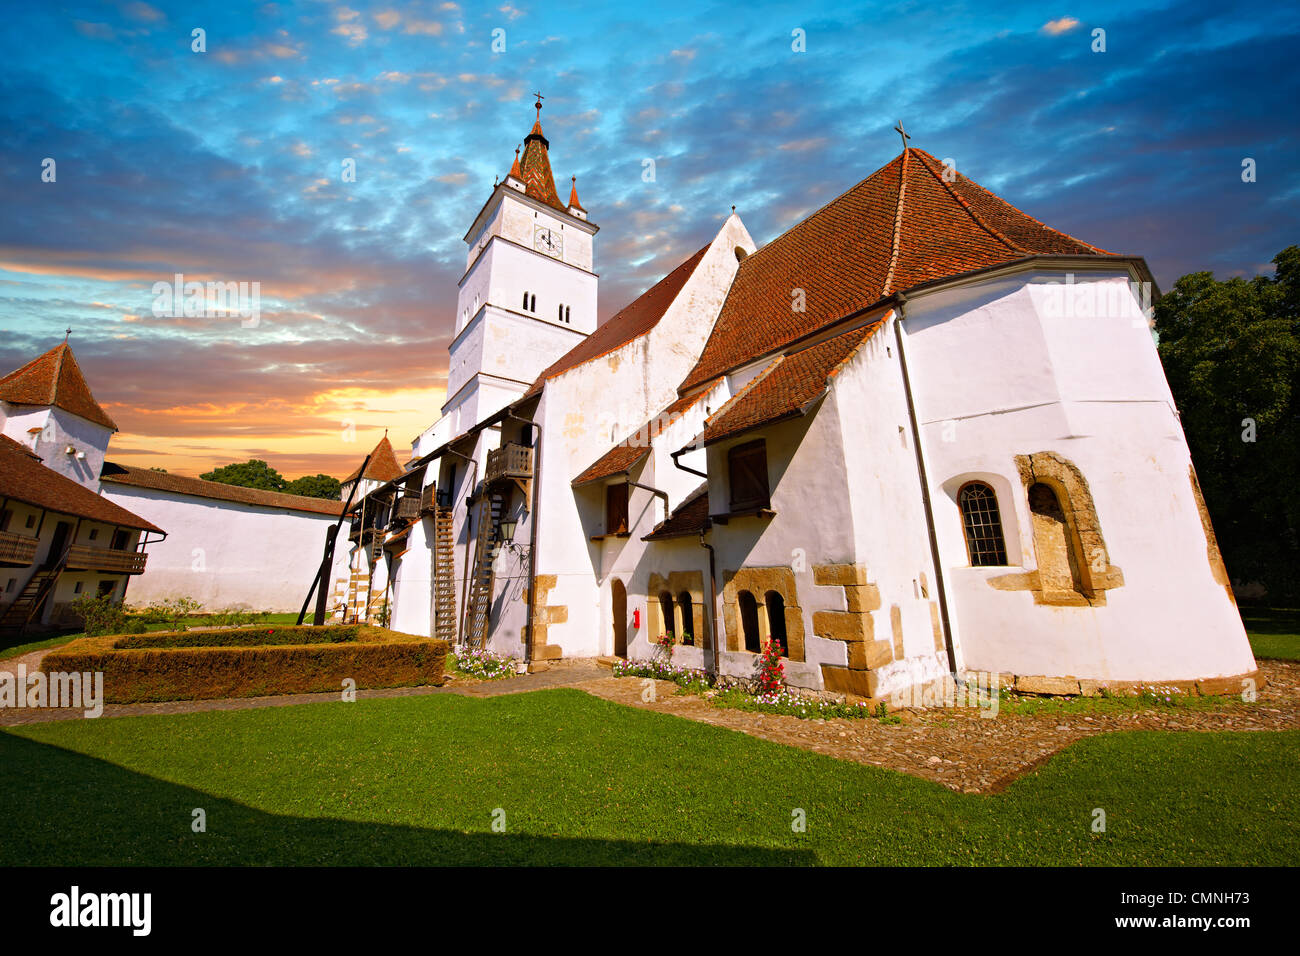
(17, 616)
(480, 585)
(444, 577)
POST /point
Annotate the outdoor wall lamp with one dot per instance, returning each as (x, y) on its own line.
(508, 526)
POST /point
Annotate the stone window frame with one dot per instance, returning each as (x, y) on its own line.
(675, 584)
(1097, 575)
(758, 581)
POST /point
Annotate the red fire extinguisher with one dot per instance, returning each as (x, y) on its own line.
(636, 618)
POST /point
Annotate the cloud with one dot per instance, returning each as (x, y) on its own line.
(1059, 26)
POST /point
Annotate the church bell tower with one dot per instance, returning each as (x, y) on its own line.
(528, 294)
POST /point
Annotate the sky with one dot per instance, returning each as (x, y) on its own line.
(227, 164)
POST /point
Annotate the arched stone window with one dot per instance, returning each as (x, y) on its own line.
(748, 608)
(525, 305)
(532, 303)
(776, 620)
(687, 628)
(1059, 562)
(982, 523)
(666, 612)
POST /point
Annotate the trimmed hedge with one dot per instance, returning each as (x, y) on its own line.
(373, 657)
(242, 637)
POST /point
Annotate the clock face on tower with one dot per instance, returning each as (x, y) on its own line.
(548, 241)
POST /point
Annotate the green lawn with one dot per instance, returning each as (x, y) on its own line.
(1274, 632)
(416, 780)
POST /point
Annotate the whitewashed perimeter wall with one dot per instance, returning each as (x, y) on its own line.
(225, 554)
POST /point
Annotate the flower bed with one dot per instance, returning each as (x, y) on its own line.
(214, 664)
(482, 664)
(743, 694)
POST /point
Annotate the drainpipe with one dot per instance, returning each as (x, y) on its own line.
(654, 491)
(939, 583)
(714, 636)
(682, 451)
(713, 603)
(533, 517)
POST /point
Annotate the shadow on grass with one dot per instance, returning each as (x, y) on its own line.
(1271, 620)
(63, 808)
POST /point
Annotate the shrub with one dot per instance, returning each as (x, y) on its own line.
(102, 615)
(170, 611)
(247, 637)
(771, 672)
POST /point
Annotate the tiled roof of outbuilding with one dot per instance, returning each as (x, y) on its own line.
(383, 464)
(181, 485)
(54, 379)
(24, 478)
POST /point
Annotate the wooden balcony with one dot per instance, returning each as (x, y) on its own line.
(17, 549)
(509, 461)
(407, 508)
(84, 558)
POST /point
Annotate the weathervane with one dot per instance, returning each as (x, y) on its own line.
(66, 333)
(538, 105)
(899, 130)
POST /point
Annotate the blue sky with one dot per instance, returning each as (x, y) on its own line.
(226, 165)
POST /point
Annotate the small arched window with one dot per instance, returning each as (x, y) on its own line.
(566, 313)
(688, 619)
(532, 304)
(666, 610)
(559, 316)
(776, 620)
(525, 305)
(1059, 562)
(748, 608)
(982, 523)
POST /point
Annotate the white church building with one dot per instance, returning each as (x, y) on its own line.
(918, 434)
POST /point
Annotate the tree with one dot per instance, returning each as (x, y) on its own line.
(315, 486)
(1231, 351)
(254, 473)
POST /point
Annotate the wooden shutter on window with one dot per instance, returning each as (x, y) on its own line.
(747, 468)
(615, 509)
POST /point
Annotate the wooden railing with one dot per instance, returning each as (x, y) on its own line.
(509, 461)
(82, 557)
(17, 548)
(408, 507)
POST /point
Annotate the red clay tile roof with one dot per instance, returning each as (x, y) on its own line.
(616, 461)
(625, 455)
(24, 478)
(535, 169)
(54, 379)
(159, 481)
(573, 195)
(383, 464)
(786, 388)
(633, 320)
(899, 227)
(689, 517)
